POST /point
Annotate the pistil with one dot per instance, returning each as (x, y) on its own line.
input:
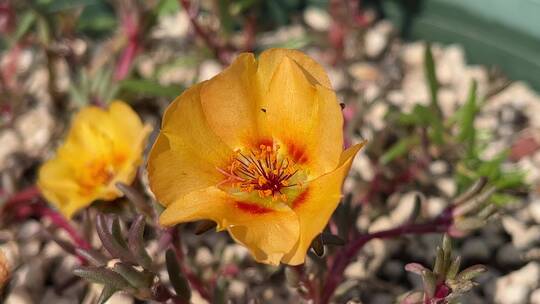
(265, 171)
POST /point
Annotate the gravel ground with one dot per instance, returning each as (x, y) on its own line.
(379, 73)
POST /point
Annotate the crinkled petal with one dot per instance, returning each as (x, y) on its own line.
(128, 124)
(305, 117)
(233, 105)
(268, 234)
(270, 59)
(187, 153)
(57, 184)
(315, 206)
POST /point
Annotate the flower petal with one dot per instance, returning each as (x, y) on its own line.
(317, 203)
(269, 234)
(128, 171)
(187, 152)
(103, 146)
(57, 184)
(270, 59)
(232, 104)
(128, 122)
(305, 118)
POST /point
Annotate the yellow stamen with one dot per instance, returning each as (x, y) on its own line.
(261, 170)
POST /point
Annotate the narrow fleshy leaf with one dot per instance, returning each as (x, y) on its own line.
(469, 224)
(94, 257)
(438, 269)
(117, 233)
(136, 242)
(178, 281)
(106, 294)
(109, 242)
(400, 148)
(488, 211)
(431, 77)
(472, 191)
(318, 246)
(430, 283)
(475, 203)
(415, 268)
(332, 239)
(292, 277)
(102, 276)
(343, 214)
(447, 245)
(461, 287)
(66, 246)
(447, 250)
(134, 196)
(471, 272)
(429, 68)
(467, 131)
(454, 268)
(418, 200)
(204, 226)
(134, 277)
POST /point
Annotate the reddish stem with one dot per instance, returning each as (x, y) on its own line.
(219, 50)
(349, 252)
(379, 186)
(61, 222)
(250, 29)
(128, 55)
(23, 196)
(21, 205)
(193, 279)
(312, 292)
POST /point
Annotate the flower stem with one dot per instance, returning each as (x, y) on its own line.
(61, 222)
(349, 252)
(28, 203)
(219, 50)
(194, 280)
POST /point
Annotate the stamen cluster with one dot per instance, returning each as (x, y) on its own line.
(263, 170)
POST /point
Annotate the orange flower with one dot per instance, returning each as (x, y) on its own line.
(103, 147)
(259, 150)
(4, 270)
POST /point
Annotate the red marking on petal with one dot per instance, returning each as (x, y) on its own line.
(297, 153)
(300, 199)
(252, 208)
(269, 142)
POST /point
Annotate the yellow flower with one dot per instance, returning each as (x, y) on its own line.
(103, 147)
(259, 150)
(4, 270)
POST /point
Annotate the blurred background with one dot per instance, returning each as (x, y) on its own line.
(445, 91)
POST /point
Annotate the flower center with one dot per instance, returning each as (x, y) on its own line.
(99, 172)
(264, 171)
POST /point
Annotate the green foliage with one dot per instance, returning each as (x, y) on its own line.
(467, 132)
(400, 148)
(431, 77)
(178, 281)
(454, 132)
(444, 283)
(472, 167)
(97, 20)
(23, 25)
(133, 271)
(53, 6)
(147, 87)
(268, 14)
(96, 88)
(166, 7)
